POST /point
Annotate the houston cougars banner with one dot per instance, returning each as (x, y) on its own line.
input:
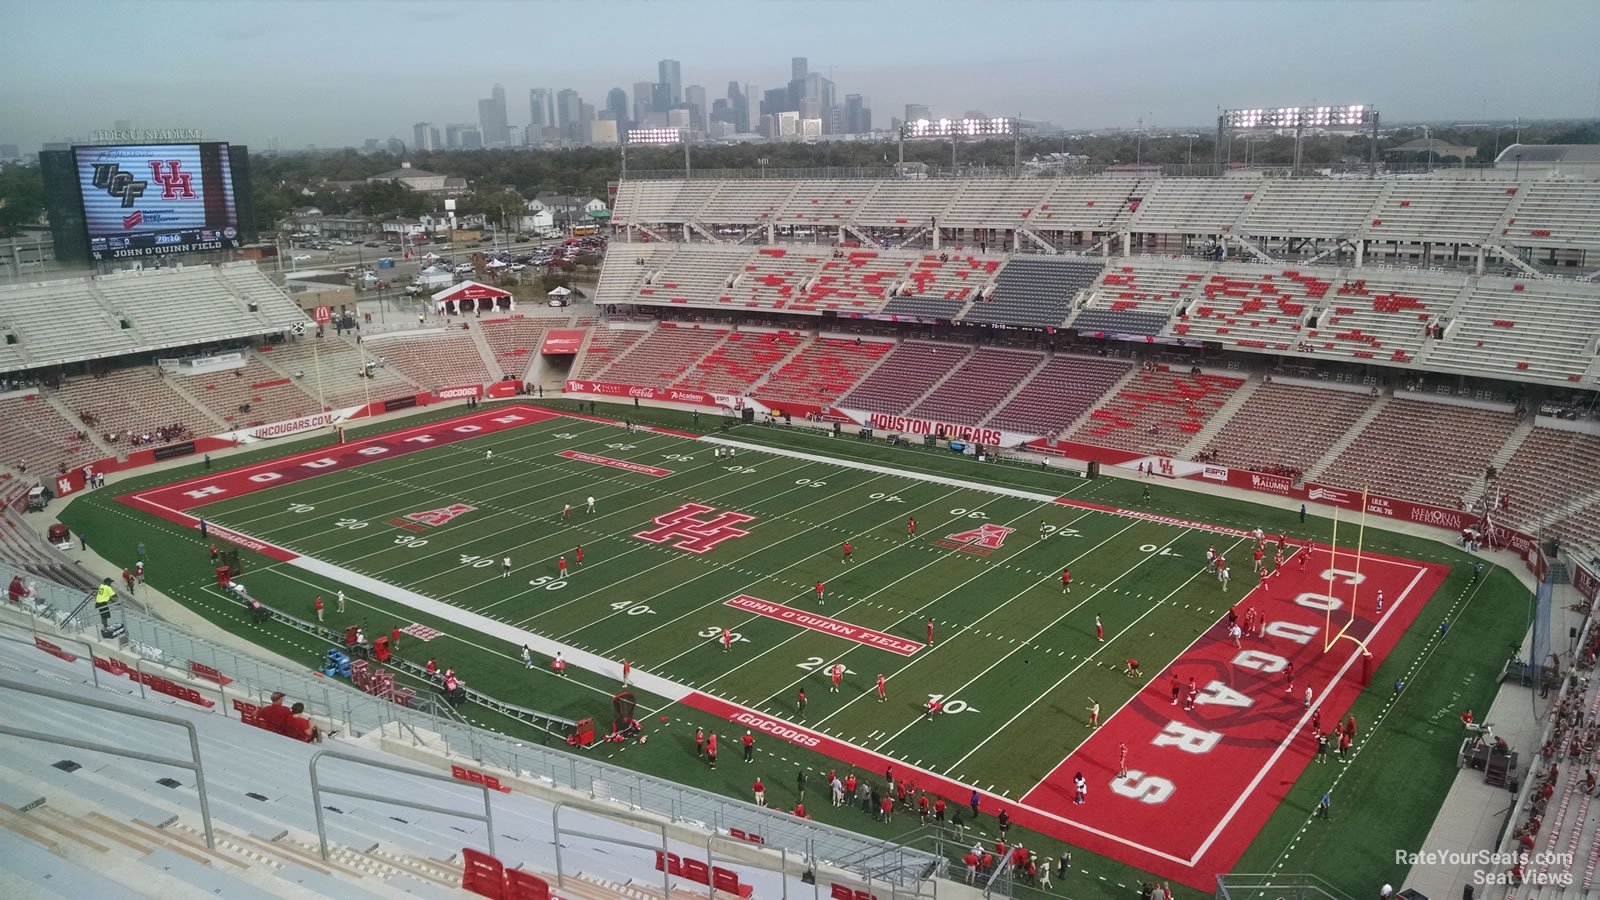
(951, 430)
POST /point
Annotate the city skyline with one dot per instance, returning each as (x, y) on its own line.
(1082, 65)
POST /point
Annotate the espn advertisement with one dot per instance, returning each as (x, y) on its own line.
(155, 199)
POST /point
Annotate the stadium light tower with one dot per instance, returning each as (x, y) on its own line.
(954, 130)
(1298, 119)
(659, 137)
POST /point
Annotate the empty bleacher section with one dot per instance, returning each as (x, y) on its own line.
(127, 404)
(625, 269)
(1086, 204)
(1441, 211)
(1310, 207)
(1057, 394)
(909, 371)
(434, 361)
(337, 371)
(1139, 297)
(254, 394)
(665, 353)
(694, 275)
(1427, 451)
(1555, 214)
(907, 204)
(660, 202)
(1285, 427)
(35, 436)
(973, 391)
(747, 202)
(740, 361)
(1381, 315)
(605, 345)
(514, 342)
(50, 323)
(1192, 205)
(1245, 307)
(830, 203)
(1000, 203)
(1035, 291)
(1536, 327)
(822, 371)
(1156, 413)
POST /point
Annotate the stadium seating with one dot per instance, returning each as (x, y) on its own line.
(1286, 427)
(660, 202)
(740, 361)
(434, 361)
(270, 395)
(1310, 207)
(134, 401)
(514, 342)
(1192, 205)
(747, 202)
(774, 276)
(1035, 292)
(906, 204)
(1381, 315)
(1551, 469)
(982, 381)
(1157, 413)
(909, 371)
(1057, 394)
(1516, 327)
(822, 371)
(625, 269)
(252, 285)
(40, 439)
(695, 275)
(1086, 204)
(854, 279)
(1440, 211)
(662, 357)
(1138, 297)
(826, 202)
(1247, 308)
(61, 321)
(1421, 450)
(1557, 214)
(996, 203)
(336, 370)
(605, 346)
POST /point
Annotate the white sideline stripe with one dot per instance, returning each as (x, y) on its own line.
(485, 625)
(886, 470)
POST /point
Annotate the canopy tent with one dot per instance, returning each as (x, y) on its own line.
(560, 292)
(469, 296)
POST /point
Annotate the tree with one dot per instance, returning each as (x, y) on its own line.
(21, 196)
(499, 205)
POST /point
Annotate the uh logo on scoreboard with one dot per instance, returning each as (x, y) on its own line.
(168, 175)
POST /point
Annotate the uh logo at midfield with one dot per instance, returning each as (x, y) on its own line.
(688, 527)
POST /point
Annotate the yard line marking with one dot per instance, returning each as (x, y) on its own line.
(1058, 620)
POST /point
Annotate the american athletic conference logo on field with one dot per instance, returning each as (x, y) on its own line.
(983, 540)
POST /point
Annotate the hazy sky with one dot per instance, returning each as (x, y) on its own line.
(333, 72)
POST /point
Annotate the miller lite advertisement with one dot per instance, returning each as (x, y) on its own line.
(157, 199)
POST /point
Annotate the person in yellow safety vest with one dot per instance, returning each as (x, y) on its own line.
(102, 602)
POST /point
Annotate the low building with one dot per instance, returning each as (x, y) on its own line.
(421, 181)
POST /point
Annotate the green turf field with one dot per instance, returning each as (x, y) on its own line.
(1013, 657)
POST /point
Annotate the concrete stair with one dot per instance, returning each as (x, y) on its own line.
(1221, 417)
(1115, 389)
(1342, 444)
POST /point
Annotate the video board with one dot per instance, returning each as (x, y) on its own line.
(145, 200)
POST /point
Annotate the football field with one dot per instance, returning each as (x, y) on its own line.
(723, 580)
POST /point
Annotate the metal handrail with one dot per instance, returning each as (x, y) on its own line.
(317, 790)
(192, 764)
(652, 824)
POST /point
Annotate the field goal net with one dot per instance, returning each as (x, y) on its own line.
(1278, 886)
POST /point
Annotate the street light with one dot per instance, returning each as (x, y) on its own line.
(762, 162)
(1299, 118)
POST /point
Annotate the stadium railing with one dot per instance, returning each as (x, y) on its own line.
(157, 640)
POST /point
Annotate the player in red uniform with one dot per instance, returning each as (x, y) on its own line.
(561, 567)
(1132, 671)
(1305, 554)
(848, 550)
(1258, 554)
(883, 690)
(911, 527)
(1122, 760)
(819, 594)
(1288, 677)
(930, 632)
(1277, 560)
(1066, 581)
(1220, 564)
(578, 554)
(1099, 630)
(727, 640)
(837, 673)
(1176, 688)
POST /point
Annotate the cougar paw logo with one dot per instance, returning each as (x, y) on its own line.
(688, 529)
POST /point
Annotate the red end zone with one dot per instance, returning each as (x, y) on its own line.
(1200, 784)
